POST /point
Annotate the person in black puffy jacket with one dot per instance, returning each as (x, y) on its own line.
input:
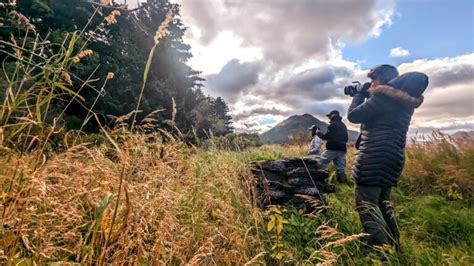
(385, 117)
(336, 139)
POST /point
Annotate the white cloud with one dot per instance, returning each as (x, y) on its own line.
(285, 31)
(234, 79)
(210, 58)
(448, 105)
(383, 14)
(295, 44)
(271, 59)
(449, 98)
(399, 52)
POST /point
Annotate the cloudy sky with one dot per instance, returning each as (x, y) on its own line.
(273, 58)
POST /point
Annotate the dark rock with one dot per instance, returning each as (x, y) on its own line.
(273, 197)
(274, 166)
(311, 191)
(313, 174)
(269, 184)
(273, 176)
(298, 182)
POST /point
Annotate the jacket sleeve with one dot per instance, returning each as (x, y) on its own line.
(361, 111)
(329, 133)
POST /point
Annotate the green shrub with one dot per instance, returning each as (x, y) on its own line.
(234, 142)
(258, 156)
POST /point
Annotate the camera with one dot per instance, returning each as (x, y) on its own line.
(351, 90)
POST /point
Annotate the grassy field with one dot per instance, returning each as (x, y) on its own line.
(123, 196)
(145, 201)
(435, 221)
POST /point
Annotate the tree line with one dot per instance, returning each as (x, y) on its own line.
(119, 40)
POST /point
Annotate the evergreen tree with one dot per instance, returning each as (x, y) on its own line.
(123, 48)
(222, 112)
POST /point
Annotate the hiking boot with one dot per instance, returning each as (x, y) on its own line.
(342, 178)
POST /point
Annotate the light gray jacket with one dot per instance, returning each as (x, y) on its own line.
(315, 146)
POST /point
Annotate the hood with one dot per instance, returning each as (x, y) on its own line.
(413, 83)
(398, 95)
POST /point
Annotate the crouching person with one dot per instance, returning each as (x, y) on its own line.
(316, 142)
(336, 140)
(385, 117)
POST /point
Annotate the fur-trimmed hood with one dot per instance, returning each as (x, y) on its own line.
(398, 95)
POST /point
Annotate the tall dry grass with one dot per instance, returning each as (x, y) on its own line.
(441, 164)
(131, 200)
(438, 163)
(135, 198)
(178, 206)
(37, 85)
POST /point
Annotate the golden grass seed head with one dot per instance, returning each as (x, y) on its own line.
(110, 75)
(163, 28)
(112, 17)
(81, 55)
(23, 20)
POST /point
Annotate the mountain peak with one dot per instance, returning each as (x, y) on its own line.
(296, 125)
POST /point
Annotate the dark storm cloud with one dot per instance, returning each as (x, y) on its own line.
(287, 31)
(233, 79)
(314, 85)
(322, 108)
(318, 83)
(203, 14)
(444, 72)
(450, 92)
(447, 105)
(259, 111)
(290, 33)
(446, 76)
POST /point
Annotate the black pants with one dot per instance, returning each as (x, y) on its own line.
(377, 215)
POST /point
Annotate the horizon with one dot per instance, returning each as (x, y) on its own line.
(266, 70)
(411, 135)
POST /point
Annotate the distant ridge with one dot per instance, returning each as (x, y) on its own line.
(463, 134)
(297, 125)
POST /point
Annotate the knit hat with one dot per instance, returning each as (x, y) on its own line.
(383, 73)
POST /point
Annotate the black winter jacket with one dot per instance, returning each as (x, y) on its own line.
(385, 118)
(336, 135)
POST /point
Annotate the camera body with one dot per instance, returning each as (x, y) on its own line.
(357, 87)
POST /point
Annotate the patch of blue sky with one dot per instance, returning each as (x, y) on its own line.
(427, 29)
(266, 120)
